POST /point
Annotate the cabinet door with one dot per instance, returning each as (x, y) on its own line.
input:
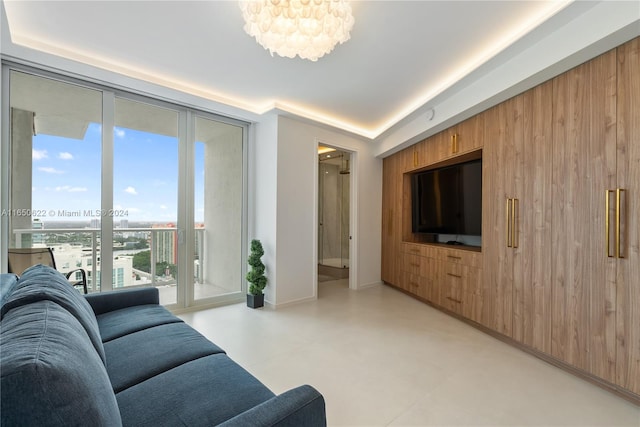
(435, 148)
(467, 136)
(583, 276)
(532, 257)
(391, 267)
(413, 157)
(628, 268)
(503, 136)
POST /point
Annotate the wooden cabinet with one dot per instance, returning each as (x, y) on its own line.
(559, 270)
(584, 167)
(500, 184)
(596, 182)
(412, 157)
(460, 139)
(627, 291)
(391, 219)
(461, 278)
(449, 278)
(420, 273)
(517, 172)
(533, 252)
(464, 137)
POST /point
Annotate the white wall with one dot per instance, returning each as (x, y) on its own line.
(283, 173)
(263, 194)
(297, 197)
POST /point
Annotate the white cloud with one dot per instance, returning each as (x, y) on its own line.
(70, 189)
(163, 206)
(49, 170)
(39, 154)
(130, 190)
(65, 156)
(119, 132)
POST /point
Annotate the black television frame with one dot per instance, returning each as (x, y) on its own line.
(458, 232)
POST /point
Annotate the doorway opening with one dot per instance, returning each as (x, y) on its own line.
(334, 195)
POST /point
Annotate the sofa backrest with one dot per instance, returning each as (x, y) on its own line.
(50, 374)
(39, 283)
(52, 363)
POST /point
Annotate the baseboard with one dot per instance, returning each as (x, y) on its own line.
(369, 285)
(290, 303)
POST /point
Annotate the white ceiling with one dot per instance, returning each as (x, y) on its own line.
(401, 53)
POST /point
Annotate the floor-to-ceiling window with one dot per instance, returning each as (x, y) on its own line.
(145, 196)
(55, 169)
(136, 191)
(218, 214)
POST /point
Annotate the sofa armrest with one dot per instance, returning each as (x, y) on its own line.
(105, 302)
(301, 406)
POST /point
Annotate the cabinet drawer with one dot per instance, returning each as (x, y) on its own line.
(412, 248)
(413, 283)
(428, 251)
(422, 286)
(412, 264)
(419, 265)
(461, 289)
(468, 258)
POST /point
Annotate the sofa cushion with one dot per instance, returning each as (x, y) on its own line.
(203, 392)
(51, 374)
(103, 302)
(118, 323)
(168, 346)
(40, 283)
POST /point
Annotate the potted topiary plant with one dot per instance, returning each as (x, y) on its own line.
(256, 278)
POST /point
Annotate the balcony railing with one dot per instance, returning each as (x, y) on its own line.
(93, 247)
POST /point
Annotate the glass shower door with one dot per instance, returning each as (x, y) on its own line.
(333, 215)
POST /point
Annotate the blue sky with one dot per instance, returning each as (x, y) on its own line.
(67, 175)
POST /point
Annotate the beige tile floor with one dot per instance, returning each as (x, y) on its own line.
(381, 358)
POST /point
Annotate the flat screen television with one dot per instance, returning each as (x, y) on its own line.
(448, 200)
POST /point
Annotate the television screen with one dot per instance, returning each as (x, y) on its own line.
(448, 200)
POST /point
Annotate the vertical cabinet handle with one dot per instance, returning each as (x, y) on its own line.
(454, 143)
(607, 223)
(618, 209)
(415, 158)
(508, 223)
(514, 224)
(511, 226)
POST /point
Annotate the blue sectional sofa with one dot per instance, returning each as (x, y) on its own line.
(120, 358)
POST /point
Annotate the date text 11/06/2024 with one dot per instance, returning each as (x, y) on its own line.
(63, 213)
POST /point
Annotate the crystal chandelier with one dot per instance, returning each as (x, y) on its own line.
(307, 28)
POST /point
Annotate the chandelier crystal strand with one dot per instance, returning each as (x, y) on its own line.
(306, 28)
